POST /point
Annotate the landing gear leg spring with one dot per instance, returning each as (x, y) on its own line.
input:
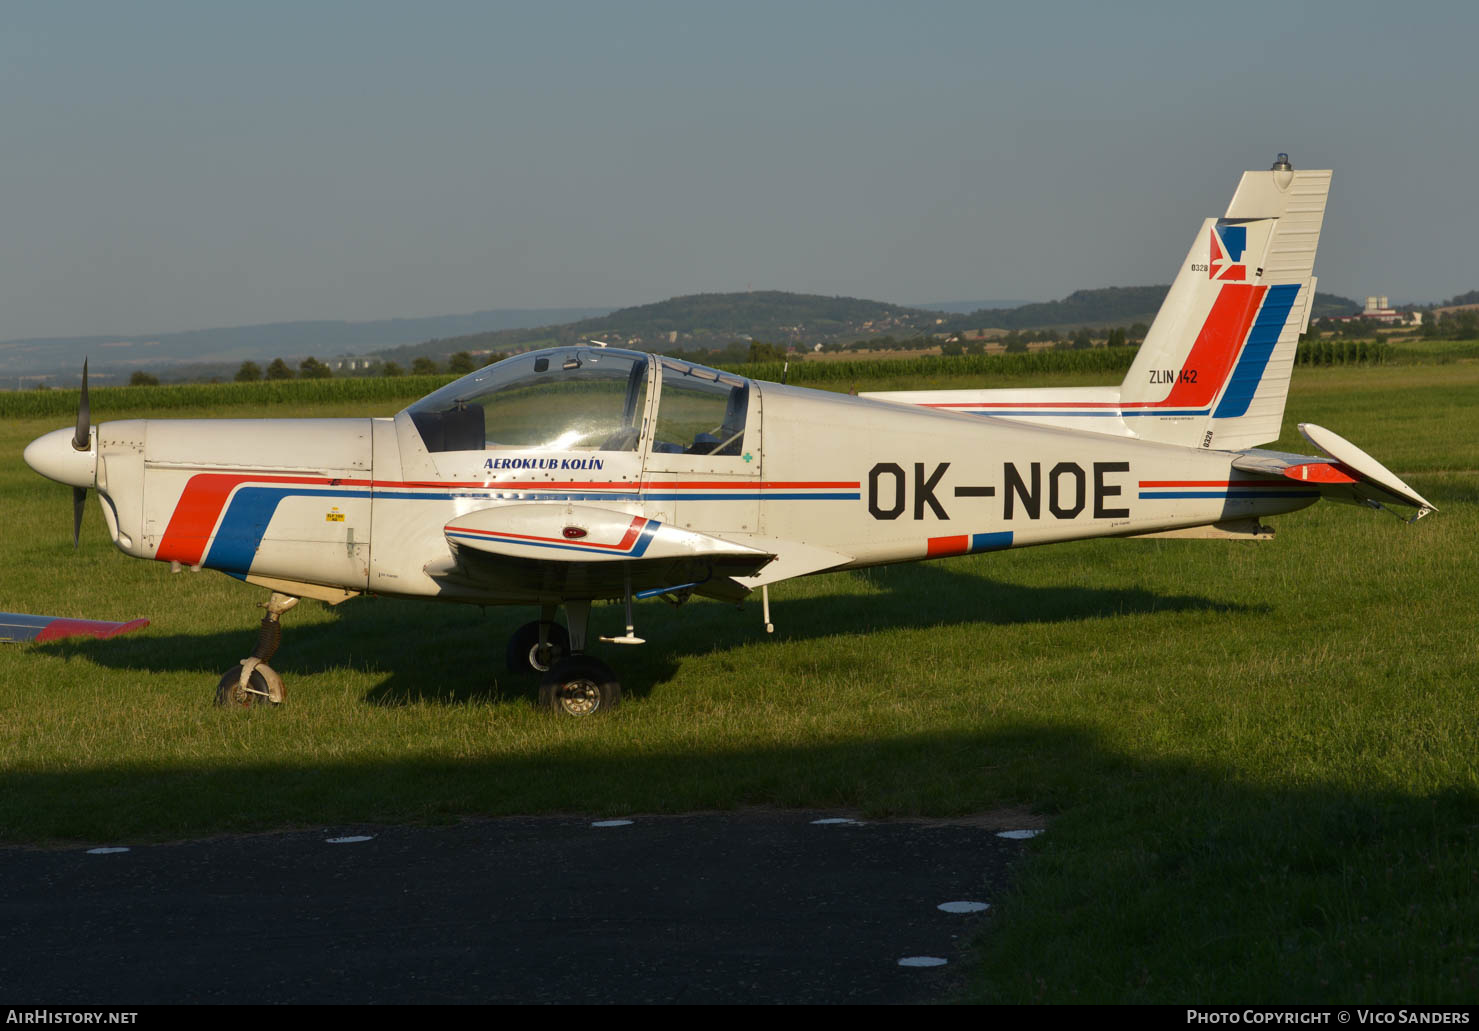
(253, 682)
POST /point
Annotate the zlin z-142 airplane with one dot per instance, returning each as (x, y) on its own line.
(575, 474)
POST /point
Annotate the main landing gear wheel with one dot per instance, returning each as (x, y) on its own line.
(526, 656)
(579, 685)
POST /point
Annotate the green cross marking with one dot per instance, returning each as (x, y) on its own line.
(748, 457)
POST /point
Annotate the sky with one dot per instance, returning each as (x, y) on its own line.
(172, 166)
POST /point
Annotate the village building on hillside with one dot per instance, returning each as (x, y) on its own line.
(1379, 310)
(354, 363)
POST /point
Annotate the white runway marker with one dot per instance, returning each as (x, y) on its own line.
(1018, 835)
(105, 851)
(922, 961)
(833, 820)
(351, 839)
(612, 823)
(963, 907)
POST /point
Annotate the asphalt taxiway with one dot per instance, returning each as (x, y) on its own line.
(738, 907)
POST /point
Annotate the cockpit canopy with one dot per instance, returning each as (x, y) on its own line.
(585, 399)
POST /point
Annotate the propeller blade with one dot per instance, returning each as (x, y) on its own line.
(82, 439)
(79, 500)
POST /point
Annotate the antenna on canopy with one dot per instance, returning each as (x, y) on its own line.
(598, 343)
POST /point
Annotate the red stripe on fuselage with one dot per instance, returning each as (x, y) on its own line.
(623, 485)
(939, 547)
(1213, 483)
(199, 508)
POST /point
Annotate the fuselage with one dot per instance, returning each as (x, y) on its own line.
(818, 479)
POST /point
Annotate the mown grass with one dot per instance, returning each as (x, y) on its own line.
(1259, 763)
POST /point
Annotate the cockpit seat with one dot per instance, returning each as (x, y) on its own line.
(457, 429)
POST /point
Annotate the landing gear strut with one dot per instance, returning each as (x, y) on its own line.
(538, 645)
(252, 681)
(573, 683)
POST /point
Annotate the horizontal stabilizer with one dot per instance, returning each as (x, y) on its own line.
(1353, 477)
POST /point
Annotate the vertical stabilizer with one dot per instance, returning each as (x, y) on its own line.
(1214, 369)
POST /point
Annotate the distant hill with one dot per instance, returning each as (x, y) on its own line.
(708, 321)
(266, 341)
(1106, 306)
(693, 322)
(965, 307)
(1333, 304)
(704, 321)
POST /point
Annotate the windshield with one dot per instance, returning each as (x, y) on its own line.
(562, 399)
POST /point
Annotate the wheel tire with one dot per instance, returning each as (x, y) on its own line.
(229, 694)
(579, 686)
(523, 648)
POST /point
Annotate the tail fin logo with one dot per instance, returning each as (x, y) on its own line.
(1226, 260)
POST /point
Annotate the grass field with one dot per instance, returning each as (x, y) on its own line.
(1258, 763)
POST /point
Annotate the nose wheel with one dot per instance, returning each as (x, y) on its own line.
(251, 681)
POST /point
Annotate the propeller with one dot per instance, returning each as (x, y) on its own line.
(70, 459)
(79, 501)
(81, 441)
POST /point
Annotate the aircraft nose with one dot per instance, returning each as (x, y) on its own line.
(53, 456)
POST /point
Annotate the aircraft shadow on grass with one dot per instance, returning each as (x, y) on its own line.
(455, 654)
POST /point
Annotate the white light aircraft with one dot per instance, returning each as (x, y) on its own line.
(575, 474)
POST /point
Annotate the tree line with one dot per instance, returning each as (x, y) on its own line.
(1453, 325)
(459, 364)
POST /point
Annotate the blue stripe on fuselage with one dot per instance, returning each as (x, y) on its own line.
(251, 509)
(991, 541)
(246, 519)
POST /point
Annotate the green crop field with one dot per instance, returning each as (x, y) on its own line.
(1258, 764)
